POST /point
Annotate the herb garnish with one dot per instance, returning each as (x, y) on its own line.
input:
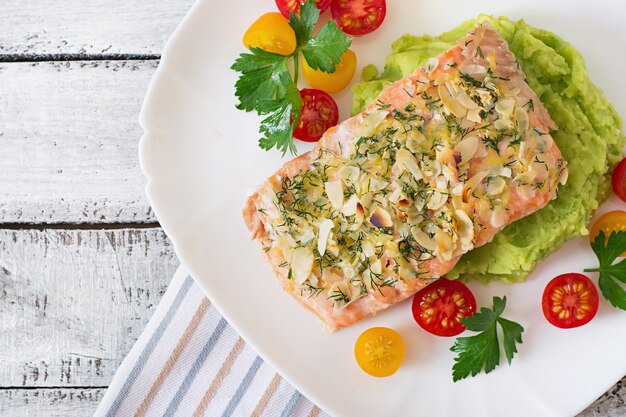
(607, 252)
(482, 351)
(267, 86)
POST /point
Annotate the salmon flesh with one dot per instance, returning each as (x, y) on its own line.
(389, 199)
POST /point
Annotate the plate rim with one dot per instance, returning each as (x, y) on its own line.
(170, 229)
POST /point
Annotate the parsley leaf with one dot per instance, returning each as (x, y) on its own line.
(277, 128)
(324, 51)
(261, 72)
(265, 82)
(482, 351)
(607, 252)
(304, 24)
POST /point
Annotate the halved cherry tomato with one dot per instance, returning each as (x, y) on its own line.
(271, 32)
(331, 82)
(570, 300)
(287, 6)
(613, 221)
(379, 351)
(619, 180)
(319, 112)
(358, 17)
(439, 307)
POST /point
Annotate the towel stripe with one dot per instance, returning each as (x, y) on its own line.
(267, 396)
(315, 411)
(189, 362)
(219, 378)
(195, 368)
(150, 346)
(243, 387)
(169, 364)
(291, 404)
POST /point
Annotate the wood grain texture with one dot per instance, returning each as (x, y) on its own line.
(61, 402)
(88, 27)
(69, 135)
(73, 302)
(611, 404)
(80, 402)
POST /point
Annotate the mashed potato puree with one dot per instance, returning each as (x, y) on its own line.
(589, 135)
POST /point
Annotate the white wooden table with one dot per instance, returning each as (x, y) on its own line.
(83, 261)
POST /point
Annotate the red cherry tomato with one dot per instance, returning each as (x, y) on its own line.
(619, 180)
(439, 307)
(570, 300)
(287, 6)
(358, 17)
(319, 112)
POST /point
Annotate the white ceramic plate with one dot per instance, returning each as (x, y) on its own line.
(201, 157)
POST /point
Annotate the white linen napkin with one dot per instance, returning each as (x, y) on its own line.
(190, 362)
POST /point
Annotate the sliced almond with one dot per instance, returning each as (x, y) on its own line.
(359, 216)
(307, 235)
(465, 229)
(437, 200)
(505, 106)
(473, 115)
(472, 183)
(521, 118)
(467, 149)
(334, 191)
(348, 173)
(377, 185)
(456, 189)
(371, 121)
(564, 176)
(381, 218)
(503, 124)
(525, 178)
(368, 248)
(376, 267)
(501, 171)
(466, 101)
(497, 216)
(431, 168)
(349, 207)
(326, 226)
(301, 264)
(414, 140)
(449, 102)
(495, 185)
(395, 195)
(474, 69)
(366, 200)
(423, 239)
(406, 158)
(445, 244)
(415, 218)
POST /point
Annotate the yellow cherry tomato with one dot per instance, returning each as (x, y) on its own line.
(271, 32)
(335, 81)
(613, 221)
(379, 351)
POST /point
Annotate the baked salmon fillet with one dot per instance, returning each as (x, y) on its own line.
(389, 199)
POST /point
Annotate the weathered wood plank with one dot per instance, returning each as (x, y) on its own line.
(611, 404)
(73, 302)
(69, 135)
(88, 27)
(79, 402)
(66, 402)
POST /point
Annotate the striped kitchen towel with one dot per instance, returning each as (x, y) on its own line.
(190, 362)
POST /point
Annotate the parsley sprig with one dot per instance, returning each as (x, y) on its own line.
(607, 251)
(267, 86)
(482, 351)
